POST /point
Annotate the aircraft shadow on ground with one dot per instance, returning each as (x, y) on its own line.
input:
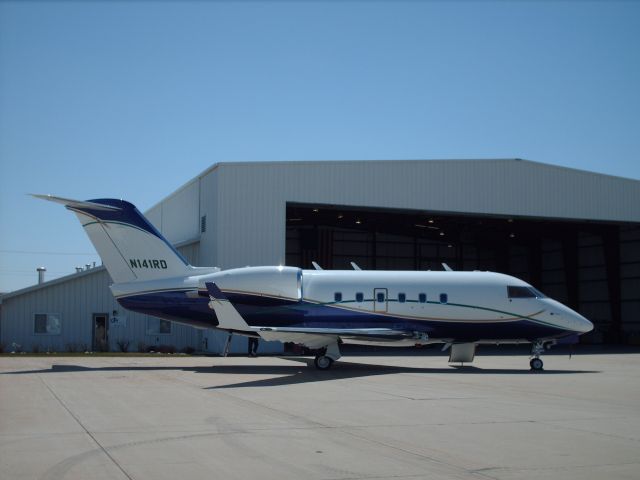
(301, 371)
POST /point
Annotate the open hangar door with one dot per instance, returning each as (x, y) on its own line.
(593, 267)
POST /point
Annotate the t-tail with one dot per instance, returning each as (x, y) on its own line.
(130, 247)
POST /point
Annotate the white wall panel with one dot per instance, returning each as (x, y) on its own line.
(180, 214)
(209, 195)
(155, 216)
(509, 187)
(250, 198)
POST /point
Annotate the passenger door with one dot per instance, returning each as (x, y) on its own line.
(380, 299)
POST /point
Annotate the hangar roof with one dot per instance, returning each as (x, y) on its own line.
(493, 187)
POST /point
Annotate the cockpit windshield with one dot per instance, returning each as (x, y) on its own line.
(524, 292)
(538, 293)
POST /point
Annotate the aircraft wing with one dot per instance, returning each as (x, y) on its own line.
(321, 337)
(230, 319)
(373, 333)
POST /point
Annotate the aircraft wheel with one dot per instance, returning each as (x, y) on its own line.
(323, 362)
(536, 364)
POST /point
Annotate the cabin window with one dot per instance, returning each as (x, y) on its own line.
(380, 297)
(359, 297)
(521, 292)
(337, 296)
(47, 324)
(422, 298)
(444, 298)
(402, 297)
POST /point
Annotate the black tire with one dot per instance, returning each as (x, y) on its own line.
(322, 362)
(536, 364)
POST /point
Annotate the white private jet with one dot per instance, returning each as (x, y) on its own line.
(321, 309)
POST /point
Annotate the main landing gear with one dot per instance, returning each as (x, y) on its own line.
(328, 355)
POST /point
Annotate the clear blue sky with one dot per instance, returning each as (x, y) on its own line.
(132, 99)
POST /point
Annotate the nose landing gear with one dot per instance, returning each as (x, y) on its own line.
(536, 364)
(537, 348)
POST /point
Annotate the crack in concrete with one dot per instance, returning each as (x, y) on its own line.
(58, 470)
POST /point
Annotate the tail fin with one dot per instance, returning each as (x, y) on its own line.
(130, 247)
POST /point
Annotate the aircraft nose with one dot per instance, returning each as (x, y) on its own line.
(576, 322)
(570, 319)
(581, 324)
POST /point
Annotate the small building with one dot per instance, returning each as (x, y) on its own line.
(77, 313)
(573, 234)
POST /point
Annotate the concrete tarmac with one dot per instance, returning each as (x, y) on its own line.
(369, 417)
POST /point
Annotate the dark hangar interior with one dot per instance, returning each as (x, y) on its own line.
(593, 267)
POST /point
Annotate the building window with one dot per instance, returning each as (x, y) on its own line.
(359, 297)
(203, 224)
(444, 298)
(47, 324)
(422, 298)
(337, 296)
(156, 326)
(402, 297)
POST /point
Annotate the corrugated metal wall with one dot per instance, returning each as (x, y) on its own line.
(191, 253)
(210, 207)
(177, 217)
(249, 199)
(76, 299)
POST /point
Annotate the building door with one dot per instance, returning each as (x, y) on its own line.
(100, 332)
(379, 299)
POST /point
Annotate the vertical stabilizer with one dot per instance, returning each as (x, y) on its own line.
(130, 247)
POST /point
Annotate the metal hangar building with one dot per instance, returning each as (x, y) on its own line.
(573, 234)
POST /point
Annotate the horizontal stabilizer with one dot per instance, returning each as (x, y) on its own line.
(67, 202)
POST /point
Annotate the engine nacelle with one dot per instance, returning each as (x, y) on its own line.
(279, 282)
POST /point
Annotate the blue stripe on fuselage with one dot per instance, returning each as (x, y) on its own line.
(274, 312)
